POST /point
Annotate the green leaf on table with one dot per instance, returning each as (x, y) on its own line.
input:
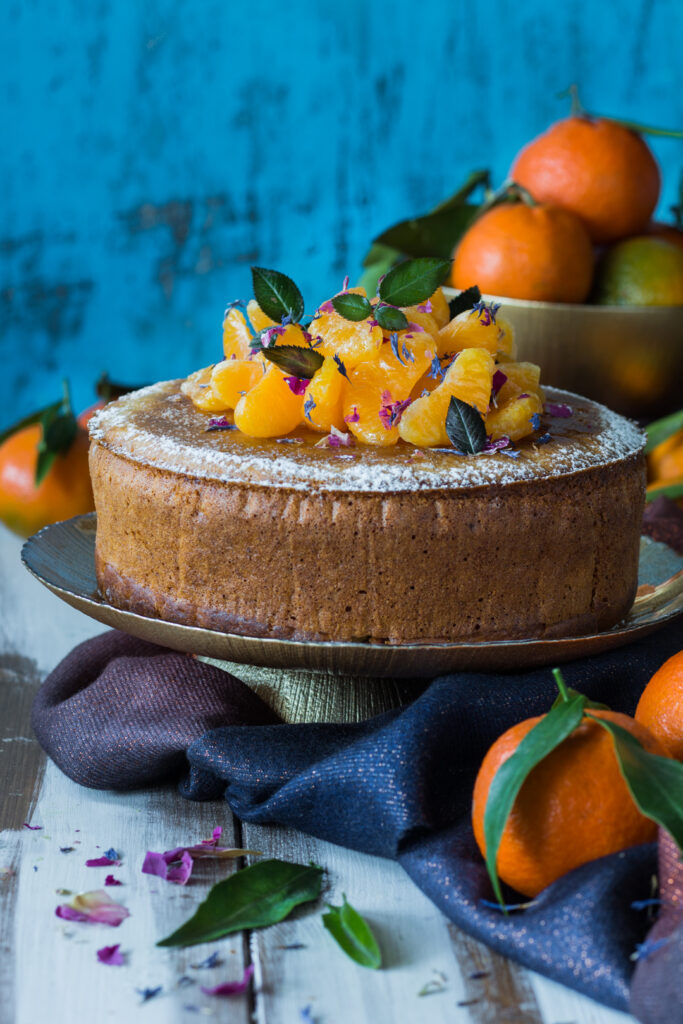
(28, 421)
(464, 301)
(254, 897)
(655, 783)
(351, 306)
(352, 932)
(413, 281)
(465, 427)
(277, 295)
(390, 318)
(294, 359)
(660, 430)
(552, 729)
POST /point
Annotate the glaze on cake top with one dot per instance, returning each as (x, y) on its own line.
(159, 427)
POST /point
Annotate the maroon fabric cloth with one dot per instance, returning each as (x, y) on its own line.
(142, 704)
(663, 521)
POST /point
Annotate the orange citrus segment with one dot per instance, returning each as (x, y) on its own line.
(469, 379)
(520, 377)
(353, 342)
(371, 400)
(198, 388)
(513, 418)
(257, 318)
(323, 405)
(270, 409)
(236, 335)
(477, 328)
(233, 378)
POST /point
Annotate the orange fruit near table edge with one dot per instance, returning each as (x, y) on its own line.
(64, 492)
(660, 708)
(597, 169)
(525, 251)
(573, 807)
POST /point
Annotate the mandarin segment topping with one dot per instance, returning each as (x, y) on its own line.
(346, 373)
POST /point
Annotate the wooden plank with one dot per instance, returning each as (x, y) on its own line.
(559, 1005)
(497, 990)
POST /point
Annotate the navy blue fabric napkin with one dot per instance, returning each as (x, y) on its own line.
(120, 713)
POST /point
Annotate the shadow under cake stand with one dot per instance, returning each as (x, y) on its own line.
(323, 681)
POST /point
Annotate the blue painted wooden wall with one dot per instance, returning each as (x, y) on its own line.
(153, 150)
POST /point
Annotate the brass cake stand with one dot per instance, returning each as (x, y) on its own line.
(308, 681)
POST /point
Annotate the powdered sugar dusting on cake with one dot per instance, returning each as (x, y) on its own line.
(159, 427)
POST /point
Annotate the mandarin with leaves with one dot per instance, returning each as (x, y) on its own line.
(572, 807)
(660, 708)
(526, 250)
(597, 169)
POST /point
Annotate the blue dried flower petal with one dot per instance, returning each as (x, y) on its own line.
(393, 338)
(407, 353)
(436, 370)
(535, 421)
(340, 366)
(544, 439)
(309, 406)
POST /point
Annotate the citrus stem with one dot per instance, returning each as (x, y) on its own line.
(577, 109)
(67, 395)
(561, 685)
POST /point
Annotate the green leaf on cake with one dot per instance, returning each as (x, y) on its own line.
(352, 932)
(413, 281)
(550, 731)
(295, 360)
(390, 318)
(465, 300)
(352, 307)
(277, 295)
(255, 897)
(465, 427)
(654, 782)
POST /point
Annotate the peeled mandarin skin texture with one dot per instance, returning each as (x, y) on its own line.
(660, 708)
(526, 252)
(572, 808)
(598, 170)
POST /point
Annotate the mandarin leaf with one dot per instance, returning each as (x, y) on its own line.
(30, 420)
(672, 490)
(277, 295)
(391, 319)
(413, 281)
(654, 782)
(464, 301)
(254, 897)
(465, 427)
(552, 729)
(352, 307)
(295, 360)
(658, 431)
(44, 464)
(596, 705)
(352, 932)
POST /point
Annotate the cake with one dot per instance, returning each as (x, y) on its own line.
(386, 473)
(279, 537)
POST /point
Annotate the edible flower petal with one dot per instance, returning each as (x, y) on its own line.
(559, 411)
(219, 423)
(336, 439)
(297, 385)
(353, 416)
(33, 828)
(95, 907)
(108, 860)
(148, 993)
(111, 955)
(499, 378)
(390, 412)
(535, 421)
(214, 960)
(497, 445)
(231, 988)
(110, 880)
(173, 866)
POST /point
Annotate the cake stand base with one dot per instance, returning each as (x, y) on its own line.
(305, 696)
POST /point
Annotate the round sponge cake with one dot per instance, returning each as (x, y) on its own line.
(281, 538)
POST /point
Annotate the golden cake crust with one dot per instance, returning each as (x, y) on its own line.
(401, 545)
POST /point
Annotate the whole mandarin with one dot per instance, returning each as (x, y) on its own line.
(601, 171)
(64, 492)
(572, 808)
(660, 708)
(521, 251)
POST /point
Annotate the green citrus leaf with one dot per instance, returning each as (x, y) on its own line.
(352, 307)
(660, 430)
(671, 490)
(378, 261)
(552, 729)
(413, 281)
(435, 234)
(655, 783)
(465, 300)
(352, 932)
(277, 295)
(28, 421)
(254, 897)
(44, 464)
(294, 359)
(465, 427)
(391, 319)
(59, 432)
(596, 705)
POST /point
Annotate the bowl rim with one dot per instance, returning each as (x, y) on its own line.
(576, 307)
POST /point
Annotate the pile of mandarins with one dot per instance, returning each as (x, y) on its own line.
(575, 223)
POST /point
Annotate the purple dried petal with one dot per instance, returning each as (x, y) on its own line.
(559, 411)
(108, 860)
(297, 385)
(111, 955)
(415, 328)
(33, 828)
(426, 307)
(345, 284)
(498, 445)
(173, 866)
(336, 439)
(93, 907)
(326, 307)
(219, 423)
(110, 880)
(372, 322)
(499, 379)
(353, 416)
(231, 988)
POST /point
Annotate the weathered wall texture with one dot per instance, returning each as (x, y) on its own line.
(153, 150)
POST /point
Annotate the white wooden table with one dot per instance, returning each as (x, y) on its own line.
(48, 967)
